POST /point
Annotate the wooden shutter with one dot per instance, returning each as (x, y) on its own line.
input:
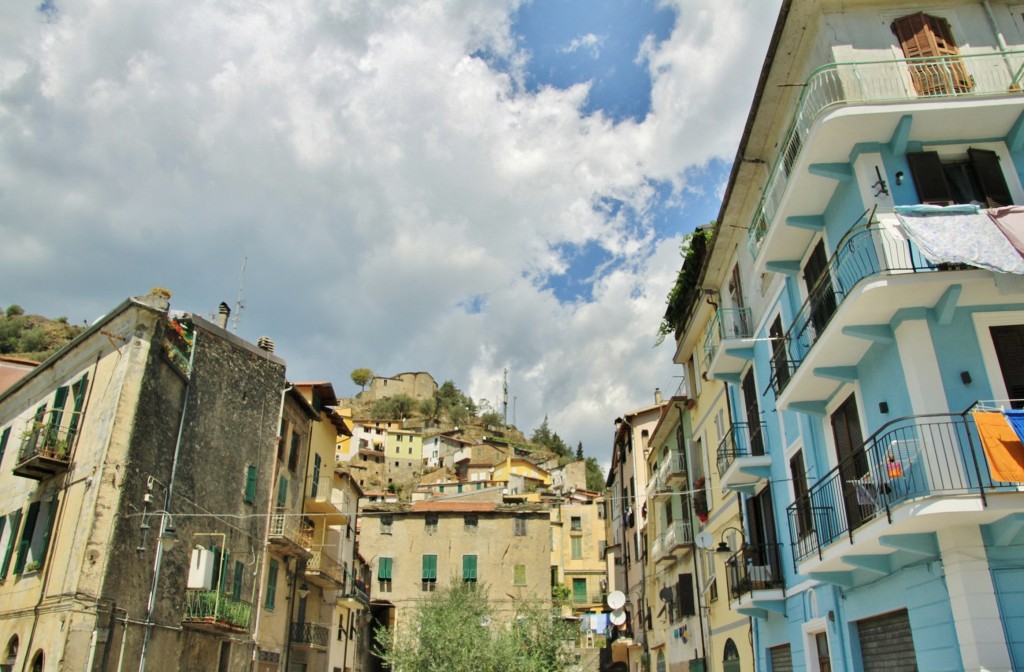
(756, 446)
(236, 585)
(3, 442)
(51, 515)
(429, 567)
(469, 568)
(26, 537)
(985, 164)
(819, 288)
(384, 566)
(271, 585)
(250, 484)
(887, 642)
(79, 390)
(282, 491)
(12, 542)
(850, 455)
(921, 36)
(929, 178)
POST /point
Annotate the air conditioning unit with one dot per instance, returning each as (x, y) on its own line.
(200, 569)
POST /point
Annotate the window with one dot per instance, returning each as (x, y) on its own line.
(579, 591)
(37, 662)
(471, 522)
(10, 656)
(519, 526)
(268, 603)
(602, 548)
(293, 454)
(282, 433)
(35, 536)
(469, 568)
(429, 575)
(430, 524)
(384, 569)
(236, 584)
(386, 524)
(3, 442)
(342, 629)
(577, 548)
(798, 473)
(250, 484)
(13, 523)
(576, 524)
(974, 178)
(922, 35)
(519, 575)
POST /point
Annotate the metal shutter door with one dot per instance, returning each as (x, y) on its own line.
(886, 643)
(1009, 584)
(782, 658)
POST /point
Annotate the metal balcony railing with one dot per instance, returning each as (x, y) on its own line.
(868, 249)
(673, 467)
(50, 435)
(310, 634)
(323, 563)
(906, 459)
(754, 567)
(217, 608)
(289, 527)
(727, 323)
(879, 82)
(677, 534)
(742, 440)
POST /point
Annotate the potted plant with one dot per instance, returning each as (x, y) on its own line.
(700, 499)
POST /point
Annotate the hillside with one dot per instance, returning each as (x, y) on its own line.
(33, 337)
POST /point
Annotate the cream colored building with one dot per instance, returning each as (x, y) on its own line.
(577, 551)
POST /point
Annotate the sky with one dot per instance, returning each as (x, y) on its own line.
(461, 187)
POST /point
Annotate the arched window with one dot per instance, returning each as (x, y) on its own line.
(10, 655)
(37, 661)
(730, 657)
(661, 661)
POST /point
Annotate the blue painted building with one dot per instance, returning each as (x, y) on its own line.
(859, 333)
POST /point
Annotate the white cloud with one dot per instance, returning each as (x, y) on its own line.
(590, 42)
(377, 175)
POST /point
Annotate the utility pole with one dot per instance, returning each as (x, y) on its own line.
(238, 302)
(504, 401)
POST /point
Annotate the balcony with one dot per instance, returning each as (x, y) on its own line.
(324, 570)
(873, 274)
(311, 635)
(674, 541)
(353, 593)
(46, 445)
(890, 90)
(743, 460)
(727, 344)
(755, 579)
(215, 611)
(671, 473)
(879, 510)
(324, 501)
(290, 535)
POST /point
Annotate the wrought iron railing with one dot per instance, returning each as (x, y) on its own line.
(754, 567)
(906, 459)
(742, 440)
(50, 435)
(289, 526)
(879, 82)
(727, 323)
(324, 563)
(322, 488)
(214, 606)
(868, 249)
(310, 634)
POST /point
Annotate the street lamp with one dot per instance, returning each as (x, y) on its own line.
(723, 547)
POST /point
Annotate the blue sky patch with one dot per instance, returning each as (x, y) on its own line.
(586, 264)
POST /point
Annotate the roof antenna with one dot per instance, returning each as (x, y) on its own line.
(238, 302)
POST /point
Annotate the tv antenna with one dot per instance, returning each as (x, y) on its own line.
(504, 401)
(239, 305)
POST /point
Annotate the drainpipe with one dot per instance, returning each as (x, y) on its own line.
(167, 507)
(696, 565)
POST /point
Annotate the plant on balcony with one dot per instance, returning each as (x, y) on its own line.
(47, 438)
(700, 499)
(685, 292)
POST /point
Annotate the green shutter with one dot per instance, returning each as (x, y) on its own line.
(79, 388)
(11, 543)
(429, 567)
(250, 484)
(51, 515)
(3, 442)
(384, 566)
(216, 569)
(282, 491)
(519, 575)
(26, 537)
(271, 585)
(469, 568)
(316, 475)
(225, 563)
(236, 586)
(579, 590)
(59, 400)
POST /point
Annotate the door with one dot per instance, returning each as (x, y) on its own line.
(756, 446)
(762, 555)
(1009, 345)
(853, 464)
(821, 296)
(887, 643)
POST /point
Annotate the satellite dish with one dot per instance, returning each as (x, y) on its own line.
(666, 595)
(616, 600)
(703, 540)
(618, 617)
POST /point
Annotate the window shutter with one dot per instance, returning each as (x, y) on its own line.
(225, 563)
(26, 537)
(271, 585)
(217, 578)
(79, 388)
(915, 35)
(51, 515)
(384, 567)
(990, 176)
(250, 484)
(11, 543)
(929, 178)
(3, 442)
(282, 491)
(429, 567)
(469, 568)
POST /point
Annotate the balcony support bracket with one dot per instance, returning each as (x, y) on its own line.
(840, 172)
(876, 564)
(815, 223)
(946, 306)
(817, 408)
(844, 579)
(921, 545)
(876, 333)
(844, 374)
(746, 353)
(733, 378)
(1015, 138)
(790, 268)
(752, 612)
(901, 135)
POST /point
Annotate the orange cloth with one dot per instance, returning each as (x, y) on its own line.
(1003, 449)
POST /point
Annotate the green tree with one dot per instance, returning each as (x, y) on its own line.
(14, 310)
(492, 419)
(595, 475)
(362, 377)
(457, 630)
(579, 451)
(390, 408)
(543, 436)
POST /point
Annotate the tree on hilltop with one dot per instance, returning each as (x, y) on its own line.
(362, 377)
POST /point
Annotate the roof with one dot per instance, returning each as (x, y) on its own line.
(323, 389)
(453, 507)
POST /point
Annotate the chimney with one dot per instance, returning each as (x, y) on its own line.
(265, 343)
(658, 398)
(223, 312)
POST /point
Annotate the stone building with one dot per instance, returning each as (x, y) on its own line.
(150, 426)
(418, 385)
